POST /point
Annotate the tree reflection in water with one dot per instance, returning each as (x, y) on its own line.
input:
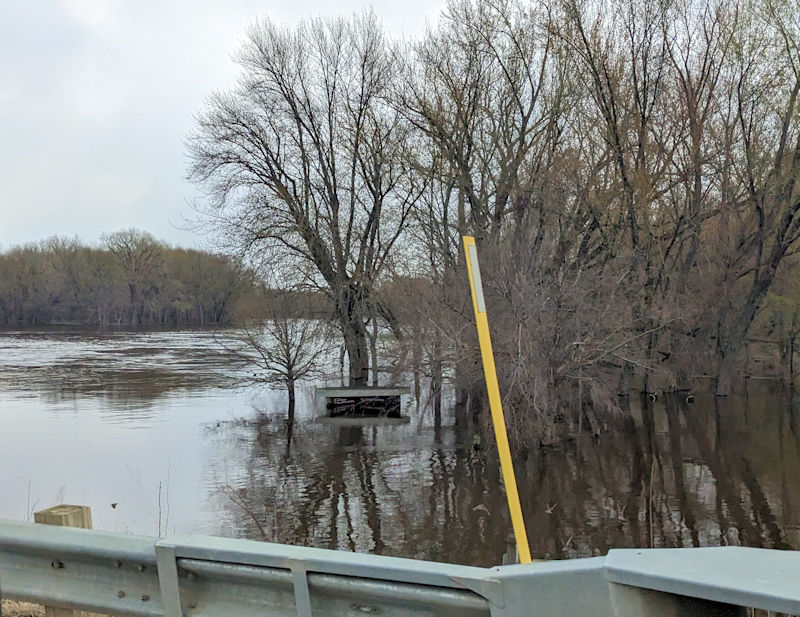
(667, 474)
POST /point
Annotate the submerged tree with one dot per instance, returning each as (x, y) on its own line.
(282, 350)
(305, 161)
(628, 168)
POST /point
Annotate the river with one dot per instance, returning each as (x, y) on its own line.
(152, 431)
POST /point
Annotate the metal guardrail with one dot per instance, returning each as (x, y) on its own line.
(198, 576)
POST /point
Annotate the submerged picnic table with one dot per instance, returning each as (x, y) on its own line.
(364, 403)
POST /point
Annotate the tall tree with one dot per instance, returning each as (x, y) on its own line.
(140, 257)
(761, 220)
(306, 160)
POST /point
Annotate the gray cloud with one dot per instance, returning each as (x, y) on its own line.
(97, 96)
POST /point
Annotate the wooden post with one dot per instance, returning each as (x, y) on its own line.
(65, 516)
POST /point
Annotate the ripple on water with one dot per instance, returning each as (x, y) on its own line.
(148, 421)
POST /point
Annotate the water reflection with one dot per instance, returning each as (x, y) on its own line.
(671, 474)
(219, 459)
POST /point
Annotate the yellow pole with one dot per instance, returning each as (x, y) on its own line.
(489, 371)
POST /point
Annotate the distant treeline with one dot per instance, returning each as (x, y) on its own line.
(131, 279)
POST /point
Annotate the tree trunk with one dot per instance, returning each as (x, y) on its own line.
(290, 413)
(726, 373)
(732, 327)
(436, 385)
(134, 302)
(355, 341)
(733, 324)
(373, 343)
(351, 314)
(416, 359)
(626, 374)
(460, 411)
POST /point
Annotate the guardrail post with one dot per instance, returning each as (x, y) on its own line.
(302, 597)
(65, 516)
(168, 579)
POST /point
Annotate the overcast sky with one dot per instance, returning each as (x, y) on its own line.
(97, 96)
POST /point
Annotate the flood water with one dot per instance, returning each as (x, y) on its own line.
(152, 431)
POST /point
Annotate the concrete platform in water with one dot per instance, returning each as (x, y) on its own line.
(362, 406)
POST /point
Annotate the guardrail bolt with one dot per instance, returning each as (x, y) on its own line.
(140, 567)
(120, 594)
(191, 576)
(56, 564)
(145, 597)
(191, 604)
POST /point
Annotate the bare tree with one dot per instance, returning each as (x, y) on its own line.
(630, 170)
(140, 257)
(489, 90)
(282, 349)
(761, 219)
(307, 161)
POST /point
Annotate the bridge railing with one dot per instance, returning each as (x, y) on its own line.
(197, 576)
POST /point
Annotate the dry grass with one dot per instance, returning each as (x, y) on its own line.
(12, 608)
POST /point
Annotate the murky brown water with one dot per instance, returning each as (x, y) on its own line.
(153, 423)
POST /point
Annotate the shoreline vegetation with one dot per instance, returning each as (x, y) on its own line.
(133, 281)
(129, 279)
(629, 171)
(60, 284)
